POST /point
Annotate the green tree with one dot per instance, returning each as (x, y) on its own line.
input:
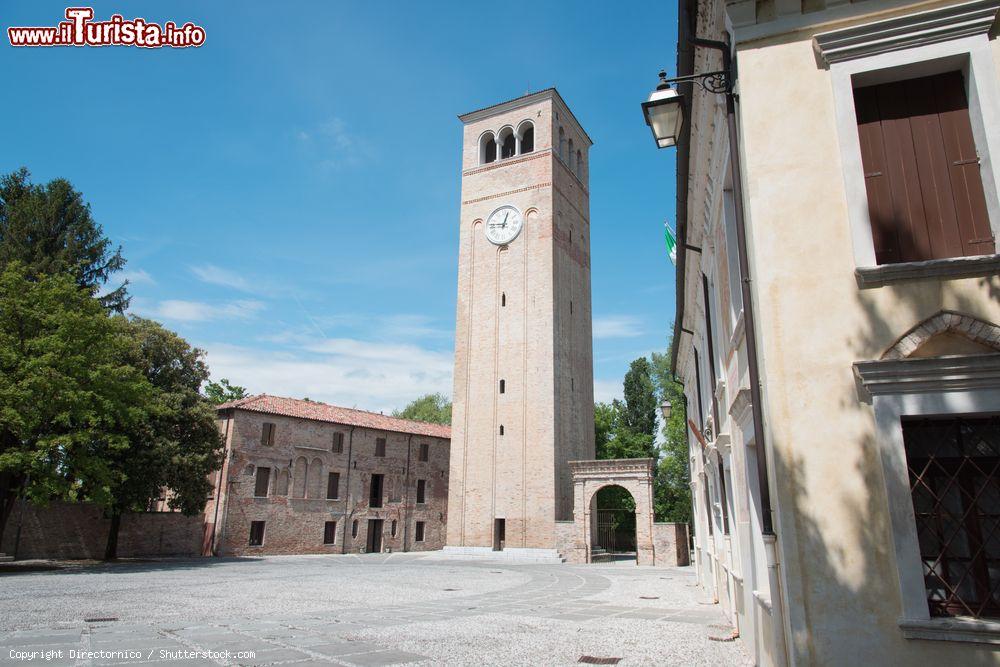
(639, 412)
(177, 446)
(434, 408)
(50, 230)
(222, 392)
(67, 390)
(672, 485)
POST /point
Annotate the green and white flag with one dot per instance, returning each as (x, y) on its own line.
(671, 240)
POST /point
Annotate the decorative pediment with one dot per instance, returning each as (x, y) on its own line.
(907, 31)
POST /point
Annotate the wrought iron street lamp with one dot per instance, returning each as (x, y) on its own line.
(664, 110)
(665, 410)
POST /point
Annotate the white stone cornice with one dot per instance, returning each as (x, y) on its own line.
(934, 374)
(909, 30)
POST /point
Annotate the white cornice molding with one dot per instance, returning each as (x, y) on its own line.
(933, 374)
(909, 30)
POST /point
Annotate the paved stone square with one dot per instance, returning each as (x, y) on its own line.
(367, 610)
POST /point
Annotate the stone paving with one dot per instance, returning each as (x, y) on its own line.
(368, 610)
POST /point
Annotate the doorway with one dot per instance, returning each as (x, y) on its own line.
(613, 535)
(374, 544)
(499, 534)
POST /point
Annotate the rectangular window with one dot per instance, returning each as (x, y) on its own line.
(261, 484)
(425, 451)
(379, 446)
(375, 492)
(419, 532)
(329, 532)
(954, 471)
(421, 490)
(338, 443)
(921, 169)
(267, 434)
(333, 486)
(256, 533)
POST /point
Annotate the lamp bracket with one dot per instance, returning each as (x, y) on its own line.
(712, 82)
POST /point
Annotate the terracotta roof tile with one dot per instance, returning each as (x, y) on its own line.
(292, 407)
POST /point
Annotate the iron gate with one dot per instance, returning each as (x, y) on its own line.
(615, 531)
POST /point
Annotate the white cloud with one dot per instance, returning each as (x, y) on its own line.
(341, 371)
(199, 311)
(216, 275)
(617, 326)
(607, 390)
(334, 145)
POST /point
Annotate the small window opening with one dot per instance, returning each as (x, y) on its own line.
(338, 443)
(503, 299)
(419, 532)
(376, 491)
(570, 307)
(503, 386)
(333, 486)
(267, 434)
(425, 451)
(393, 531)
(379, 446)
(262, 482)
(421, 491)
(501, 429)
(354, 528)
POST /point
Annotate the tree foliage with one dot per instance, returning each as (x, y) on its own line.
(222, 392)
(672, 486)
(434, 408)
(177, 445)
(49, 229)
(68, 393)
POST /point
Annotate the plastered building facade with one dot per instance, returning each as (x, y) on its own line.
(523, 398)
(305, 477)
(878, 335)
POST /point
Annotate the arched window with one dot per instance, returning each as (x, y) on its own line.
(315, 478)
(503, 299)
(579, 165)
(299, 477)
(501, 429)
(562, 143)
(354, 528)
(508, 143)
(527, 131)
(487, 148)
(503, 386)
(571, 156)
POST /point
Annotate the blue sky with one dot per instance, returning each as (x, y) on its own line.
(287, 195)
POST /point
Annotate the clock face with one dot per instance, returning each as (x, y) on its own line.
(503, 225)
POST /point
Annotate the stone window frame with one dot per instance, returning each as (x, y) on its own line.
(917, 44)
(934, 386)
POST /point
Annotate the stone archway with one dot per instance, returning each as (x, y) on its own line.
(633, 475)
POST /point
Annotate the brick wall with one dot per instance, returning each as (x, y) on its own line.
(80, 530)
(670, 543)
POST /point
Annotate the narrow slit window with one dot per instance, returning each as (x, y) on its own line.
(421, 491)
(501, 429)
(503, 386)
(503, 300)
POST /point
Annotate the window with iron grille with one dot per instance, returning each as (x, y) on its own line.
(267, 434)
(333, 486)
(421, 491)
(954, 471)
(256, 533)
(329, 532)
(425, 451)
(379, 446)
(419, 532)
(338, 443)
(262, 481)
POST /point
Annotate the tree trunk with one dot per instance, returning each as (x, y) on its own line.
(111, 551)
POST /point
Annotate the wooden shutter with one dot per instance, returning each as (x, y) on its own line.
(925, 192)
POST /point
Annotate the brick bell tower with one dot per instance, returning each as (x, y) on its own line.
(524, 394)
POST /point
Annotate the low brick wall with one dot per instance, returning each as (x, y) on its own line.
(670, 542)
(80, 530)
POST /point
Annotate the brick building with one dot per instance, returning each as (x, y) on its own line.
(306, 477)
